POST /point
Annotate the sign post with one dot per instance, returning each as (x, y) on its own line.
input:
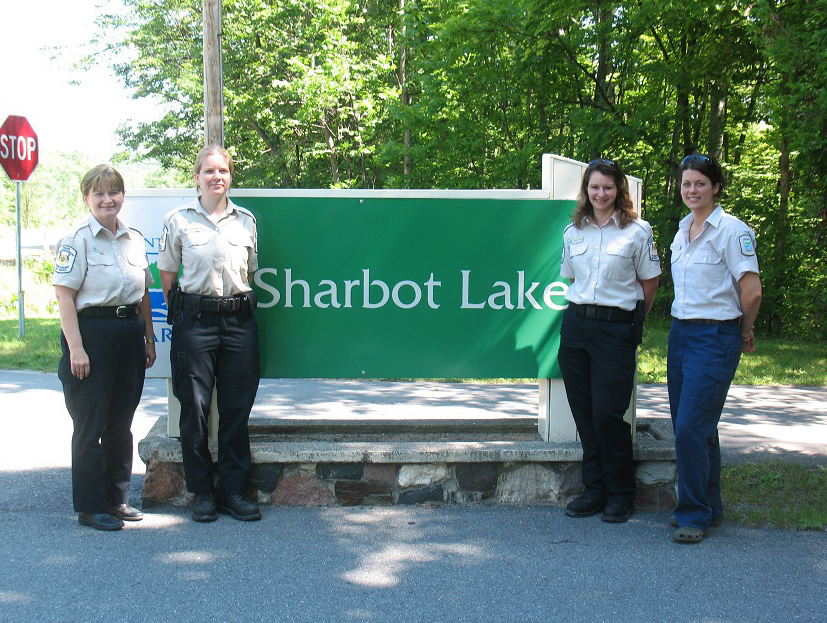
(18, 157)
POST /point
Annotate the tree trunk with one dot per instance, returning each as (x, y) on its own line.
(717, 119)
(780, 247)
(405, 95)
(331, 147)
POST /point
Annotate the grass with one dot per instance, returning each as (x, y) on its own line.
(39, 350)
(776, 494)
(777, 361)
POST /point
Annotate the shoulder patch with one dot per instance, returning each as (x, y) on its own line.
(65, 259)
(653, 251)
(747, 246)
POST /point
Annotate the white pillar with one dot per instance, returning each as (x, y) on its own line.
(561, 177)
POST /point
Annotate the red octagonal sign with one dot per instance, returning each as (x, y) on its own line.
(18, 148)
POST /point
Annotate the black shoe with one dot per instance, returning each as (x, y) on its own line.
(584, 507)
(100, 521)
(203, 508)
(239, 508)
(125, 512)
(617, 513)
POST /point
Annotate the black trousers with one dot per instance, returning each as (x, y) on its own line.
(597, 360)
(102, 407)
(215, 349)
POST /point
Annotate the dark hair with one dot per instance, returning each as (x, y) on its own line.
(623, 201)
(705, 165)
(102, 177)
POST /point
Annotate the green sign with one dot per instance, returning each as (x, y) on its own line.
(355, 287)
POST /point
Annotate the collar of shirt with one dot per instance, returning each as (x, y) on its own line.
(200, 208)
(96, 227)
(714, 219)
(613, 219)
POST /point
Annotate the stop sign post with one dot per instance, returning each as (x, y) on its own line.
(18, 157)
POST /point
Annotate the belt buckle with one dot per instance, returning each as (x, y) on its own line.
(121, 311)
(591, 312)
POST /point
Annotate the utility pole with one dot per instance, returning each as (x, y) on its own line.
(213, 74)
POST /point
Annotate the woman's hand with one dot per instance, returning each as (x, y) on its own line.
(149, 349)
(79, 363)
(748, 344)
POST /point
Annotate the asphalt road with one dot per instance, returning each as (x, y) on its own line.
(391, 564)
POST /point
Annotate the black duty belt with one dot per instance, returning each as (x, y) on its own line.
(710, 321)
(119, 311)
(602, 312)
(223, 304)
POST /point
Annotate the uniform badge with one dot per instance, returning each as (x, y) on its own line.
(653, 251)
(162, 244)
(65, 259)
(747, 246)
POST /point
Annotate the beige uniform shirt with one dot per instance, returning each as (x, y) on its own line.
(106, 270)
(607, 262)
(216, 257)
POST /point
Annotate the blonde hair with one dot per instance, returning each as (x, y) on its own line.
(208, 151)
(102, 177)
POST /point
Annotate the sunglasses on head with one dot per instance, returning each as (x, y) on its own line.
(696, 158)
(598, 161)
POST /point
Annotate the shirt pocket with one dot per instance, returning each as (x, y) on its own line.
(578, 249)
(707, 257)
(99, 260)
(239, 246)
(621, 249)
(677, 251)
(620, 260)
(195, 237)
(137, 259)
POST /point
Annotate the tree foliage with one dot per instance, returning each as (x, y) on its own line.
(470, 94)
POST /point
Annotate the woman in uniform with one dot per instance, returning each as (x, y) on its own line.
(717, 296)
(214, 333)
(610, 258)
(101, 278)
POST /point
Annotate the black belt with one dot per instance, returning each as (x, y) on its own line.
(120, 311)
(223, 304)
(601, 312)
(709, 321)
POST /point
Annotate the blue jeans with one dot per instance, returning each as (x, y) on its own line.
(701, 364)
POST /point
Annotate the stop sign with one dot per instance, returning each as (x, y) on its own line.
(18, 148)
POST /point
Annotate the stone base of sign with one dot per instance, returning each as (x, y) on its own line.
(338, 469)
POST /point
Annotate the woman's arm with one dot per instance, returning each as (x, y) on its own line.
(78, 359)
(149, 335)
(650, 286)
(751, 294)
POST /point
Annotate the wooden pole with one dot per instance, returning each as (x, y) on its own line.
(213, 74)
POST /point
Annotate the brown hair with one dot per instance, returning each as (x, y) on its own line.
(102, 177)
(623, 201)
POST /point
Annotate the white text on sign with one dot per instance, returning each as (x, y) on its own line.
(17, 147)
